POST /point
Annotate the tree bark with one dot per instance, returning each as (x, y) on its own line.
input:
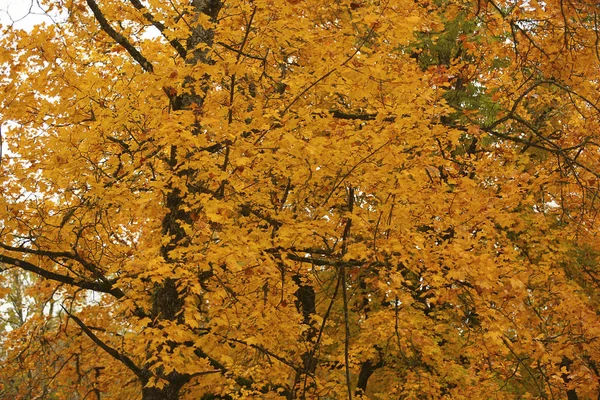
(168, 392)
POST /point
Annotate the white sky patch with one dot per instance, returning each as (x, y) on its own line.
(22, 14)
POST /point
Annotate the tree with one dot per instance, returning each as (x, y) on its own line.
(299, 200)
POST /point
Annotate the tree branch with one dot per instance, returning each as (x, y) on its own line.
(143, 375)
(117, 37)
(264, 351)
(103, 287)
(362, 117)
(60, 254)
(311, 356)
(161, 27)
(366, 370)
(324, 261)
(342, 272)
(239, 52)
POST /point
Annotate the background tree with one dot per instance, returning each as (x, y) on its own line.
(297, 199)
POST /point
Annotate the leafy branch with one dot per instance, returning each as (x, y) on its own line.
(119, 38)
(102, 287)
(161, 27)
(143, 375)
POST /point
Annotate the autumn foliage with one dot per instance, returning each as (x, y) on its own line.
(301, 199)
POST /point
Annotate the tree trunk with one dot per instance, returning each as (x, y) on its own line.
(168, 392)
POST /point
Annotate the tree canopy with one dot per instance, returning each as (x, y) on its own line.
(301, 199)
